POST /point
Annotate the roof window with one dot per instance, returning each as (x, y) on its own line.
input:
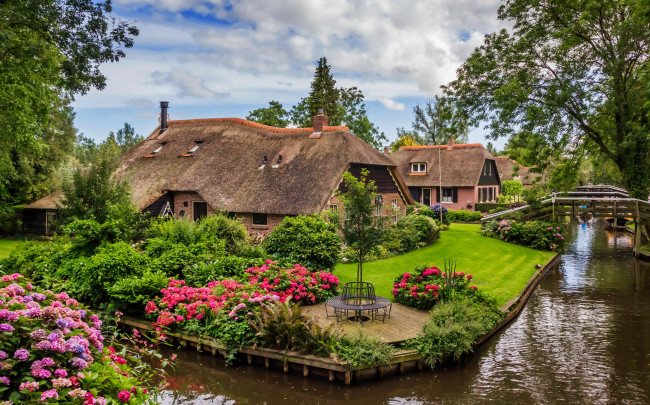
(158, 149)
(194, 149)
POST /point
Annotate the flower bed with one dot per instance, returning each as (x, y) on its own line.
(51, 350)
(224, 308)
(426, 285)
(536, 234)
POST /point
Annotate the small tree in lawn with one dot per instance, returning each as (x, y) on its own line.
(361, 229)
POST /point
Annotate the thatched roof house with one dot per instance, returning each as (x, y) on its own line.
(464, 173)
(260, 173)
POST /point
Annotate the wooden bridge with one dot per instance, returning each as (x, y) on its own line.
(588, 201)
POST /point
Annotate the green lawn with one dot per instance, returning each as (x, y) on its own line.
(7, 246)
(499, 268)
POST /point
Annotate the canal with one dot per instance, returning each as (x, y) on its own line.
(584, 337)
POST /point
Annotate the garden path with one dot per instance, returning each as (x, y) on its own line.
(404, 323)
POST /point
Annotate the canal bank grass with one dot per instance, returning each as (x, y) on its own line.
(7, 246)
(499, 268)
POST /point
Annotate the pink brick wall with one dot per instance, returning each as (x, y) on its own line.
(182, 197)
(466, 199)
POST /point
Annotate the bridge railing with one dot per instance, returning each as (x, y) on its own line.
(584, 203)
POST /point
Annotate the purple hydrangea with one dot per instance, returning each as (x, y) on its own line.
(44, 345)
(39, 297)
(82, 313)
(3, 354)
(53, 337)
(21, 354)
(47, 362)
(79, 363)
(62, 323)
(5, 380)
(5, 327)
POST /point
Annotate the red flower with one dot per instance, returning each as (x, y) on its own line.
(124, 396)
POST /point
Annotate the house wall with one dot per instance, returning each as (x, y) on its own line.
(34, 222)
(272, 220)
(495, 193)
(387, 208)
(183, 197)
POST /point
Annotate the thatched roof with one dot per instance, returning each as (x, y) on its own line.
(506, 168)
(225, 169)
(46, 203)
(461, 165)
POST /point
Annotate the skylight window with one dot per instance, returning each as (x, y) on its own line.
(158, 149)
(194, 149)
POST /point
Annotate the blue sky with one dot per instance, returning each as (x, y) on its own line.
(222, 58)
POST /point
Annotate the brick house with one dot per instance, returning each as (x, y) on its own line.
(192, 168)
(456, 175)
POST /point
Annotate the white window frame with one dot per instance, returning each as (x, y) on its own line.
(334, 207)
(418, 167)
(395, 208)
(447, 199)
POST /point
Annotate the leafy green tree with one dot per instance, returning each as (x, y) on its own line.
(438, 121)
(274, 115)
(94, 194)
(362, 231)
(405, 138)
(356, 117)
(567, 73)
(50, 50)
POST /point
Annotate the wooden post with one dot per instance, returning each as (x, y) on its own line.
(305, 370)
(637, 235)
(249, 359)
(380, 372)
(348, 377)
(331, 376)
(553, 207)
(267, 362)
(285, 367)
(401, 368)
(615, 218)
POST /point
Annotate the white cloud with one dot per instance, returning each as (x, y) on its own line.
(186, 84)
(391, 104)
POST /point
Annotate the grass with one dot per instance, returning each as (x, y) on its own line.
(7, 246)
(499, 268)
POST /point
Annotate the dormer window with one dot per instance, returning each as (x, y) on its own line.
(193, 149)
(419, 167)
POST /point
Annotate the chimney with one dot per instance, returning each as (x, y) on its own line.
(163, 116)
(386, 150)
(320, 121)
(450, 146)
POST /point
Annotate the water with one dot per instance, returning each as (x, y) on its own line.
(583, 337)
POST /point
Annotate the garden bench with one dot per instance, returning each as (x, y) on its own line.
(360, 298)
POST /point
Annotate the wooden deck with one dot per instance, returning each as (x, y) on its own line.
(404, 323)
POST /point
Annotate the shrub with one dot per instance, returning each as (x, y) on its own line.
(216, 269)
(89, 278)
(36, 259)
(131, 294)
(283, 326)
(305, 239)
(359, 349)
(230, 230)
(535, 234)
(453, 327)
(423, 288)
(173, 230)
(464, 216)
(52, 351)
(177, 259)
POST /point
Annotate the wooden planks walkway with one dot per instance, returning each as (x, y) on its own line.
(404, 323)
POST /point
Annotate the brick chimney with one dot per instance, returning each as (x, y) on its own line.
(451, 144)
(163, 116)
(386, 150)
(320, 121)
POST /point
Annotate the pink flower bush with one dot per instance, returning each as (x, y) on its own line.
(424, 286)
(181, 303)
(53, 351)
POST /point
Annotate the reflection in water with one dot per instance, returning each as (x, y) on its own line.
(584, 337)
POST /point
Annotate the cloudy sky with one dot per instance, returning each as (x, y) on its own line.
(223, 58)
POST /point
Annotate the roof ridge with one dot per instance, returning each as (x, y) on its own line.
(257, 125)
(458, 145)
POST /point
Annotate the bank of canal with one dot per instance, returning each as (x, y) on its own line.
(583, 337)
